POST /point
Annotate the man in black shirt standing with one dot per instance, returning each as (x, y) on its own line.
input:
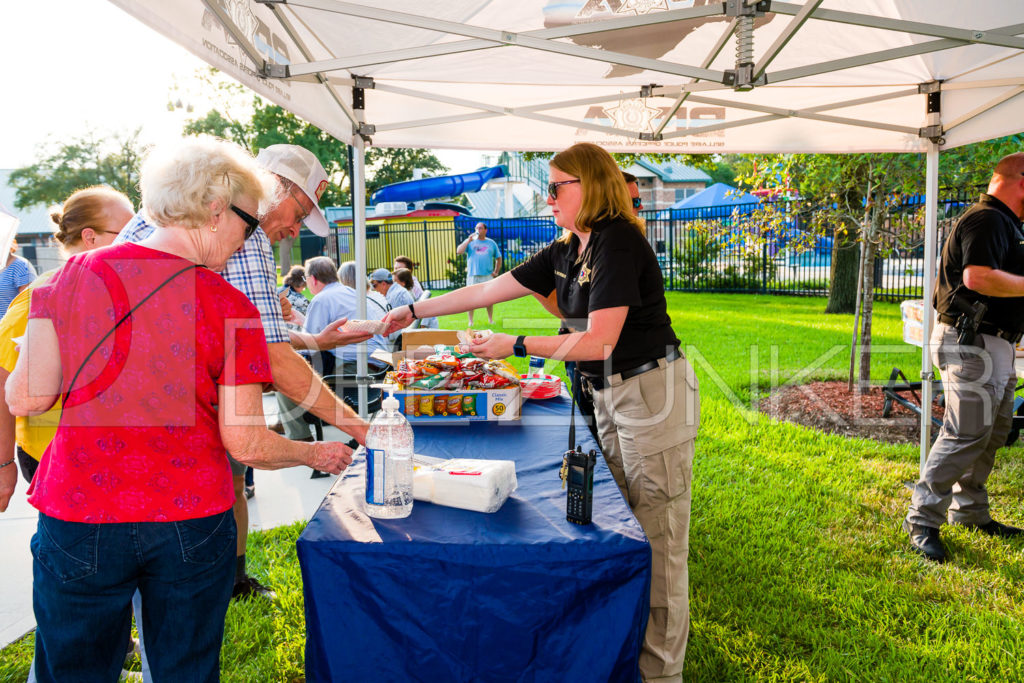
(982, 262)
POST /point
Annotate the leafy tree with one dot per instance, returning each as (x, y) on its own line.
(396, 165)
(858, 196)
(81, 162)
(255, 123)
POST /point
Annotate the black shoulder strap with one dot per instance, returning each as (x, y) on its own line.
(118, 324)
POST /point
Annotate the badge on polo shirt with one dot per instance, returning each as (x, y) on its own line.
(584, 276)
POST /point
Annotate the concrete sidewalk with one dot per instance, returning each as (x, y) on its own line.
(282, 497)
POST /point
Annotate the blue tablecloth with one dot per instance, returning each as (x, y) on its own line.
(451, 595)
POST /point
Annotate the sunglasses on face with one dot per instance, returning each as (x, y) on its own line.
(251, 222)
(637, 202)
(553, 187)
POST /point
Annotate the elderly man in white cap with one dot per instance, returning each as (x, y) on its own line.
(252, 270)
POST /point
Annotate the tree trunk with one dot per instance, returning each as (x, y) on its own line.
(868, 299)
(873, 228)
(842, 291)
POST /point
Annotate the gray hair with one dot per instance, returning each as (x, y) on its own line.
(347, 274)
(322, 268)
(180, 182)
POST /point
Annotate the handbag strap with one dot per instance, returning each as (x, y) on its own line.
(121, 321)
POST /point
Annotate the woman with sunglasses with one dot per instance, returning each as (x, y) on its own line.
(160, 365)
(609, 288)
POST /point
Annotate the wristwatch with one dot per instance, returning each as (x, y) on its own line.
(519, 348)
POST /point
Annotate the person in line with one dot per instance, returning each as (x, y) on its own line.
(404, 277)
(383, 282)
(376, 309)
(483, 262)
(609, 284)
(634, 192)
(292, 288)
(252, 270)
(87, 220)
(982, 262)
(334, 297)
(406, 262)
(16, 275)
(161, 366)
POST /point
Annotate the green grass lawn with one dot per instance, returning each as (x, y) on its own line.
(798, 568)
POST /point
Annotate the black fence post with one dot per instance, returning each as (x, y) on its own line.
(671, 250)
(426, 251)
(764, 267)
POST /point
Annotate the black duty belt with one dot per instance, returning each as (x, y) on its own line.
(984, 328)
(597, 382)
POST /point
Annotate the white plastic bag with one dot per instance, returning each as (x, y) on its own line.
(478, 485)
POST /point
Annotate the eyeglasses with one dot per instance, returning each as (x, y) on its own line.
(305, 215)
(637, 202)
(553, 187)
(251, 222)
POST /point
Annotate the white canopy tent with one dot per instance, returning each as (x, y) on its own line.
(631, 75)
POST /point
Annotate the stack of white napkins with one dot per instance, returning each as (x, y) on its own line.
(478, 485)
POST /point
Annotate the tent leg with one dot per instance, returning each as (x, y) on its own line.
(358, 185)
(930, 242)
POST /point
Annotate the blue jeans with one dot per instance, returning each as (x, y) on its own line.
(85, 576)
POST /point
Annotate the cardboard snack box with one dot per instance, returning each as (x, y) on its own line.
(475, 405)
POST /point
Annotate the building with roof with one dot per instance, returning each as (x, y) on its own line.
(35, 229)
(664, 183)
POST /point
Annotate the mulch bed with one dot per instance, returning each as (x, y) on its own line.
(831, 407)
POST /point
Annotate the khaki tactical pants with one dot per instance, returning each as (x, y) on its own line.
(978, 382)
(648, 424)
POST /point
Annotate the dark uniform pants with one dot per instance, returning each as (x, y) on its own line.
(978, 382)
(648, 424)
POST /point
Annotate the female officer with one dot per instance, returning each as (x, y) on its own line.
(607, 279)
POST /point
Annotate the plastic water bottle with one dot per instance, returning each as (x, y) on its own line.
(536, 365)
(389, 449)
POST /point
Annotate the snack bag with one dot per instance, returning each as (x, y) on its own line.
(426, 405)
(493, 382)
(469, 404)
(430, 382)
(411, 406)
(455, 405)
(440, 405)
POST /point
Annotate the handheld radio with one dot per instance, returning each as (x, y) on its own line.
(578, 471)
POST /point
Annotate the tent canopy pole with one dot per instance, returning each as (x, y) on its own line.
(358, 185)
(930, 243)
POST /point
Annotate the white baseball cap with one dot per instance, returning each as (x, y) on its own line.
(300, 166)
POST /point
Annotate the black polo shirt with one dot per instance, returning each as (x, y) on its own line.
(617, 268)
(988, 234)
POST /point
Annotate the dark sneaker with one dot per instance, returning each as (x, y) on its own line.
(994, 528)
(925, 541)
(250, 491)
(248, 587)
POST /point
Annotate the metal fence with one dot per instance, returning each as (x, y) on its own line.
(782, 247)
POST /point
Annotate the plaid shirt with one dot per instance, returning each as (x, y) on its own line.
(251, 270)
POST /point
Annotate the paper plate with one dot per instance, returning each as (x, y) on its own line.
(541, 387)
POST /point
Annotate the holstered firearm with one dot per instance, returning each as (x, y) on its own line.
(971, 315)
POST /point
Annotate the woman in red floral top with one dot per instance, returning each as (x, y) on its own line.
(161, 365)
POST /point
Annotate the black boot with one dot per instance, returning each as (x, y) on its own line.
(925, 542)
(997, 529)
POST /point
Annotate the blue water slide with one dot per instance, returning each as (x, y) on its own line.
(441, 186)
